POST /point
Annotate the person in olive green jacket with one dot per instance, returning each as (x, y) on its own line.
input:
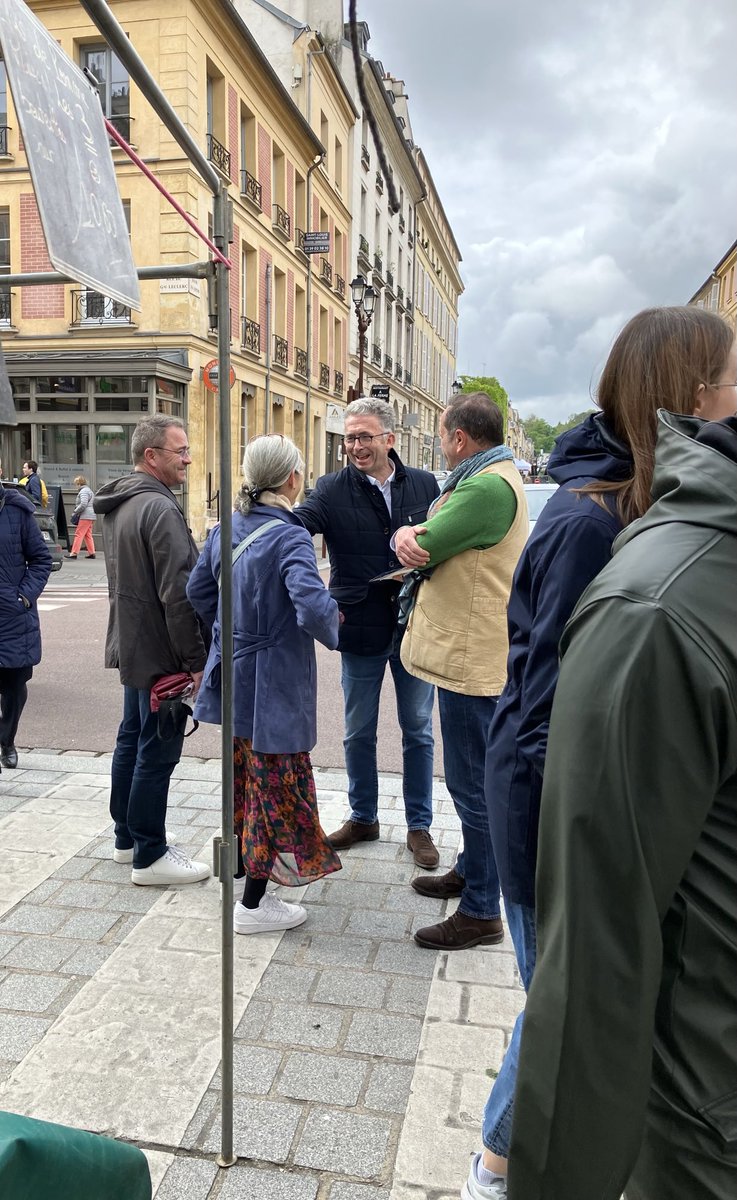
(628, 1064)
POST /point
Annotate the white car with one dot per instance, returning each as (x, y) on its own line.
(537, 496)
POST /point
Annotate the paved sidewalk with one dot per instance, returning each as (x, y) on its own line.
(362, 1062)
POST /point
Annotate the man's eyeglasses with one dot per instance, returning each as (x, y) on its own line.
(182, 451)
(363, 439)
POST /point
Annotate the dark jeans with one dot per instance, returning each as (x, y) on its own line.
(141, 770)
(465, 722)
(13, 696)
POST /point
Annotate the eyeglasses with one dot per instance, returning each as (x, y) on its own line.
(363, 439)
(182, 451)
(718, 385)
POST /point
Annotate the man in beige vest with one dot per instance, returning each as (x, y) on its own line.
(456, 638)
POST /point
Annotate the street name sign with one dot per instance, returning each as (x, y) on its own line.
(69, 159)
(317, 243)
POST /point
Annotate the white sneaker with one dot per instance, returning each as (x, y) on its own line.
(473, 1190)
(271, 916)
(172, 867)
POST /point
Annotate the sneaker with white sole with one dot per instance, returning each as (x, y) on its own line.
(473, 1190)
(126, 856)
(271, 916)
(172, 867)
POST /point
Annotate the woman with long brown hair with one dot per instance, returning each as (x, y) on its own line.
(680, 359)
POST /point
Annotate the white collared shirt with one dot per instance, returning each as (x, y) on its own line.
(385, 488)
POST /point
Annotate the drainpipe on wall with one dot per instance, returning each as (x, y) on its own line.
(267, 384)
(308, 315)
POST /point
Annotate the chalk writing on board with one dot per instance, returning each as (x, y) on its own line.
(68, 157)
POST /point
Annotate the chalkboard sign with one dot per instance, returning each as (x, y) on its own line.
(69, 158)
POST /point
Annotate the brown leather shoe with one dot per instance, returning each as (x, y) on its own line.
(460, 932)
(440, 886)
(351, 833)
(424, 850)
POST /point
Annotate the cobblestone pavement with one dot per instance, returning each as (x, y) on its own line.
(362, 1062)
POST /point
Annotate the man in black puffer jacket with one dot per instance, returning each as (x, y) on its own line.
(358, 509)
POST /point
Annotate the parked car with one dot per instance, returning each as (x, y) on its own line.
(49, 532)
(537, 496)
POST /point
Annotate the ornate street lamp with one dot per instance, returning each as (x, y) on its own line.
(364, 301)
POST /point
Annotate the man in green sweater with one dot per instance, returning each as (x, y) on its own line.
(456, 638)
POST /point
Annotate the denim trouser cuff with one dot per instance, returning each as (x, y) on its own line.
(479, 916)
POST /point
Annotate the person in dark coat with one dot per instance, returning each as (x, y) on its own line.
(280, 606)
(152, 632)
(357, 510)
(665, 357)
(25, 566)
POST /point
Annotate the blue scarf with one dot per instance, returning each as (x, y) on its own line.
(464, 470)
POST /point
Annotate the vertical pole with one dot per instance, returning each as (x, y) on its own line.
(361, 334)
(225, 866)
(267, 382)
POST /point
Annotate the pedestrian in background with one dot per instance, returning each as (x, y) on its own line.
(34, 484)
(25, 566)
(85, 519)
(280, 605)
(628, 1063)
(152, 632)
(675, 358)
(456, 638)
(357, 510)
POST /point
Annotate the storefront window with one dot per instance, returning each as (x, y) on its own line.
(64, 451)
(169, 397)
(20, 451)
(61, 393)
(21, 394)
(113, 451)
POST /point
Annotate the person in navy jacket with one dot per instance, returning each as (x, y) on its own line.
(25, 566)
(280, 606)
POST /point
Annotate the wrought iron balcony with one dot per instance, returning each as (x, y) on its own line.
(365, 158)
(408, 378)
(324, 376)
(338, 389)
(281, 221)
(378, 264)
(410, 239)
(4, 131)
(401, 223)
(281, 351)
(389, 277)
(397, 370)
(5, 307)
(299, 239)
(400, 293)
(379, 182)
(300, 362)
(388, 363)
(90, 307)
(363, 248)
(250, 335)
(251, 188)
(340, 286)
(122, 123)
(409, 303)
(326, 271)
(218, 155)
(376, 354)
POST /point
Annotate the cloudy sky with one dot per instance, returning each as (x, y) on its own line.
(585, 155)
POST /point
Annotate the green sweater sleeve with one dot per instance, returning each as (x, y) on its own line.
(477, 514)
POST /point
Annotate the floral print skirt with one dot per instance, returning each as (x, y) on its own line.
(276, 818)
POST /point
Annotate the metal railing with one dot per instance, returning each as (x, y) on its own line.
(281, 351)
(251, 188)
(401, 223)
(397, 370)
(90, 307)
(400, 293)
(377, 263)
(122, 122)
(300, 362)
(363, 247)
(218, 155)
(326, 271)
(324, 375)
(4, 131)
(340, 286)
(376, 354)
(365, 157)
(299, 239)
(410, 239)
(388, 363)
(379, 182)
(5, 307)
(338, 389)
(281, 221)
(250, 335)
(408, 378)
(389, 277)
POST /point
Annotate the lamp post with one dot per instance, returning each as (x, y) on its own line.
(364, 300)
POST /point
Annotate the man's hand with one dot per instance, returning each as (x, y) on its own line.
(197, 680)
(406, 548)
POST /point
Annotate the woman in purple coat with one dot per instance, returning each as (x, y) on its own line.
(280, 605)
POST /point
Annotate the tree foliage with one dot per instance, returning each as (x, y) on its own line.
(491, 385)
(543, 435)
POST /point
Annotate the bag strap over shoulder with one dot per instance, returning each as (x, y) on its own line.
(243, 546)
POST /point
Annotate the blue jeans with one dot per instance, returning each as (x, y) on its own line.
(465, 722)
(141, 770)
(362, 677)
(496, 1129)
